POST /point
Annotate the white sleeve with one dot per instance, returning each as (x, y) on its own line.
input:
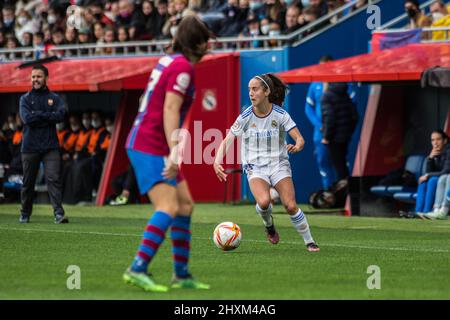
(238, 126)
(288, 123)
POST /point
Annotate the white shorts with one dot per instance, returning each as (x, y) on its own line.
(272, 174)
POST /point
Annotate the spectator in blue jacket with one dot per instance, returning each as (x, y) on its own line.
(40, 110)
(438, 163)
(313, 110)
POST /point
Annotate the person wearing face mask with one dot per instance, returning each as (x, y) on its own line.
(40, 111)
(416, 18)
(8, 20)
(441, 18)
(252, 30)
(61, 132)
(274, 32)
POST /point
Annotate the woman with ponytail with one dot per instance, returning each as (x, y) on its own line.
(264, 153)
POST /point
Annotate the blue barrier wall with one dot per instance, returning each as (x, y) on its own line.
(346, 39)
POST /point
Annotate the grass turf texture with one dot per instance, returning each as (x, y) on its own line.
(413, 256)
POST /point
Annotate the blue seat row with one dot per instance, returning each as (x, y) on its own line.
(415, 164)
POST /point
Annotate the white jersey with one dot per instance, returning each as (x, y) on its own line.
(263, 139)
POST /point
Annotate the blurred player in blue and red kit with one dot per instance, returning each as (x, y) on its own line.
(153, 152)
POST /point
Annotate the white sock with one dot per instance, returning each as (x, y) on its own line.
(266, 215)
(301, 224)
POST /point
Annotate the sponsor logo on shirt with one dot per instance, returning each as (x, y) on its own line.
(182, 82)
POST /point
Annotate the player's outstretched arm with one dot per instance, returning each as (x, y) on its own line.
(223, 149)
(299, 141)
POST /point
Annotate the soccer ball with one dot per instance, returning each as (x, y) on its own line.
(227, 236)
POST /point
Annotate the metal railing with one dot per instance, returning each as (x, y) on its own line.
(424, 6)
(158, 47)
(429, 34)
(442, 34)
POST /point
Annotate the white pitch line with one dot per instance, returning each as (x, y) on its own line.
(244, 240)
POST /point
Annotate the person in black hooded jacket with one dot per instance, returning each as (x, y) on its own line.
(339, 119)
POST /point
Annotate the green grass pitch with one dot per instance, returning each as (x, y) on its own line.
(413, 256)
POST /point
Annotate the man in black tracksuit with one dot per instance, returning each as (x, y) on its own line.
(339, 119)
(40, 110)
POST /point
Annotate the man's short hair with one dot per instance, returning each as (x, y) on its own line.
(42, 68)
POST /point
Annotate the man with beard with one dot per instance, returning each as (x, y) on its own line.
(40, 110)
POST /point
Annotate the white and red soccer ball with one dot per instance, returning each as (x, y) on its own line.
(227, 236)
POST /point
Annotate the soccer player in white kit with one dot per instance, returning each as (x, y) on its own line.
(263, 128)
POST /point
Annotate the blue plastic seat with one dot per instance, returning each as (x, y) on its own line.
(414, 164)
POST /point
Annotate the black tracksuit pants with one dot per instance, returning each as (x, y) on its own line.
(52, 172)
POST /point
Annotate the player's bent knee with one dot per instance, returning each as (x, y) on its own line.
(291, 208)
(264, 203)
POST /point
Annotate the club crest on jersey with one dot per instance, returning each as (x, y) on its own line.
(274, 124)
(50, 102)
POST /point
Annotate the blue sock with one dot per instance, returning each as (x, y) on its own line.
(181, 240)
(153, 237)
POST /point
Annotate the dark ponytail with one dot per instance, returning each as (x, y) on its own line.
(277, 88)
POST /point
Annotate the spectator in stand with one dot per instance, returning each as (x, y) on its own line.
(11, 43)
(148, 23)
(84, 38)
(320, 5)
(252, 30)
(291, 20)
(181, 11)
(99, 32)
(309, 15)
(122, 36)
(441, 18)
(56, 18)
(57, 40)
(24, 23)
(70, 38)
(162, 6)
(274, 32)
(257, 9)
(110, 37)
(127, 13)
(8, 19)
(235, 19)
(275, 12)
(332, 5)
(417, 19)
